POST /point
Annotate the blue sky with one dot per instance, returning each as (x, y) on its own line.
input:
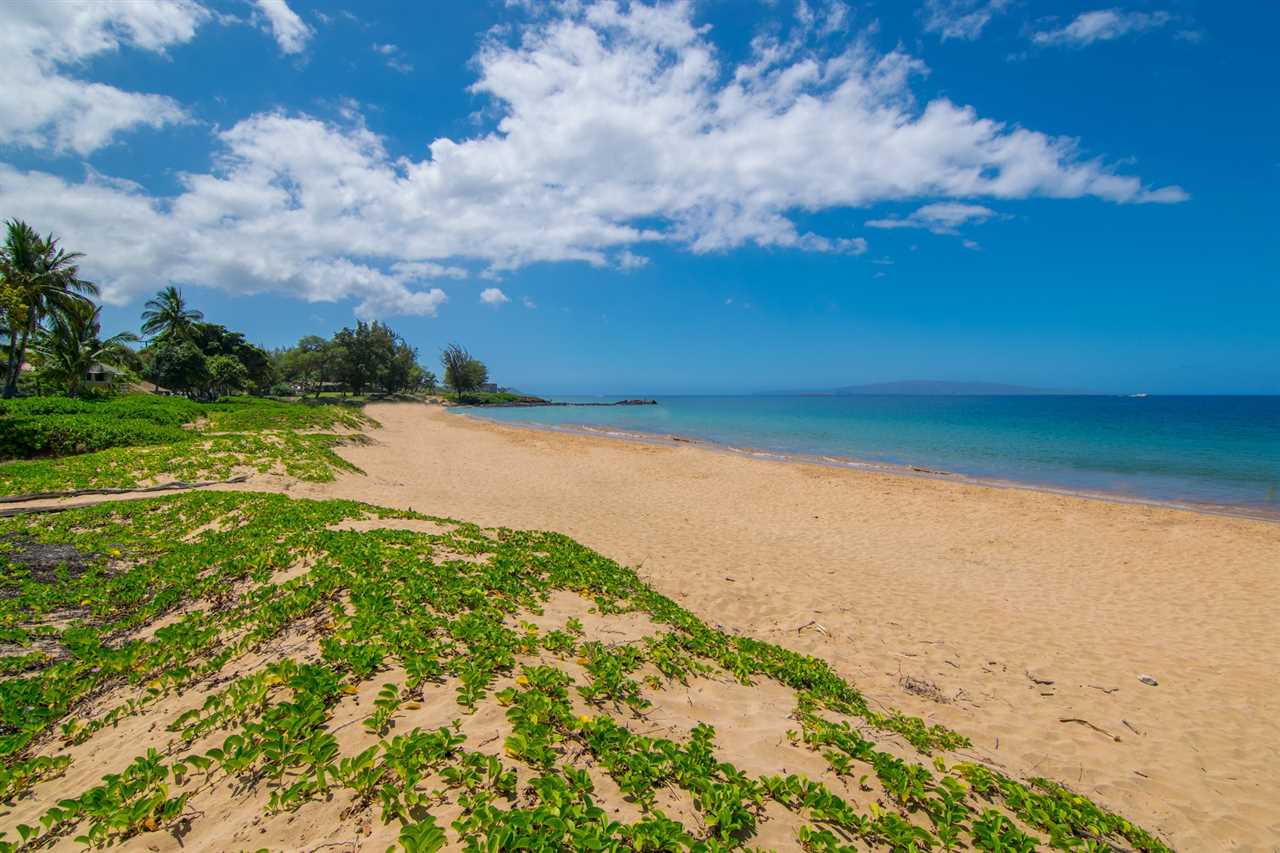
(706, 197)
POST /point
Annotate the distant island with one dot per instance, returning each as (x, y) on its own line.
(513, 400)
(932, 388)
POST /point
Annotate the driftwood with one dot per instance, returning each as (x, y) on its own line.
(36, 496)
(75, 493)
(1097, 729)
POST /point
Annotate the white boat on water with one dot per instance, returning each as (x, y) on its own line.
(1140, 394)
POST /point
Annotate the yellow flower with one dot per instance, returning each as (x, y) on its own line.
(522, 680)
(349, 690)
(584, 719)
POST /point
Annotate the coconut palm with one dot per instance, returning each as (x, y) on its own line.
(36, 277)
(168, 315)
(71, 346)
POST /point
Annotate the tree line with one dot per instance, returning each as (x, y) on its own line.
(50, 323)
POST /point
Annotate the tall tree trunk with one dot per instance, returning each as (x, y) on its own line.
(11, 390)
(11, 368)
(17, 355)
(10, 383)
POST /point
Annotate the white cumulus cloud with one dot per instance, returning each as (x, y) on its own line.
(618, 127)
(493, 296)
(44, 104)
(289, 30)
(1102, 25)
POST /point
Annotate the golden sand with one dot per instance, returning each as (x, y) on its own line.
(1021, 618)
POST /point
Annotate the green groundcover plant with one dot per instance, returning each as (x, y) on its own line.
(58, 443)
(444, 617)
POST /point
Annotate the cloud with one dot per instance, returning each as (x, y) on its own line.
(940, 218)
(960, 19)
(528, 303)
(43, 106)
(1102, 25)
(394, 57)
(971, 244)
(617, 128)
(399, 301)
(628, 260)
(286, 27)
(493, 296)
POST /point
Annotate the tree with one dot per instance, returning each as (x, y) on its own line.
(227, 374)
(374, 356)
(429, 381)
(72, 345)
(213, 340)
(36, 276)
(310, 363)
(179, 366)
(462, 373)
(398, 373)
(167, 315)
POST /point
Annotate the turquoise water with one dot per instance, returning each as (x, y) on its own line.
(1223, 451)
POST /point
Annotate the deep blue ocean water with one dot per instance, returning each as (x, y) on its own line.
(1223, 451)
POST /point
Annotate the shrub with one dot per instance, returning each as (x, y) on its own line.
(169, 411)
(62, 434)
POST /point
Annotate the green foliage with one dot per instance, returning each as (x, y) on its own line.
(36, 277)
(200, 359)
(494, 398)
(226, 375)
(371, 357)
(216, 341)
(177, 364)
(462, 373)
(310, 363)
(374, 356)
(167, 315)
(239, 432)
(61, 435)
(72, 346)
(170, 411)
(383, 600)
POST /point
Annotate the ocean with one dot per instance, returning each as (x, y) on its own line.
(1216, 452)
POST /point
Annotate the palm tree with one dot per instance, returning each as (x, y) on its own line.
(168, 315)
(71, 345)
(36, 276)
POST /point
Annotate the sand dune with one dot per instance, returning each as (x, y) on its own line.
(1023, 619)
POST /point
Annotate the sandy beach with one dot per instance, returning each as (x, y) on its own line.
(1020, 618)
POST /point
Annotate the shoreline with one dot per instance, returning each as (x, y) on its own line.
(1018, 611)
(889, 468)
